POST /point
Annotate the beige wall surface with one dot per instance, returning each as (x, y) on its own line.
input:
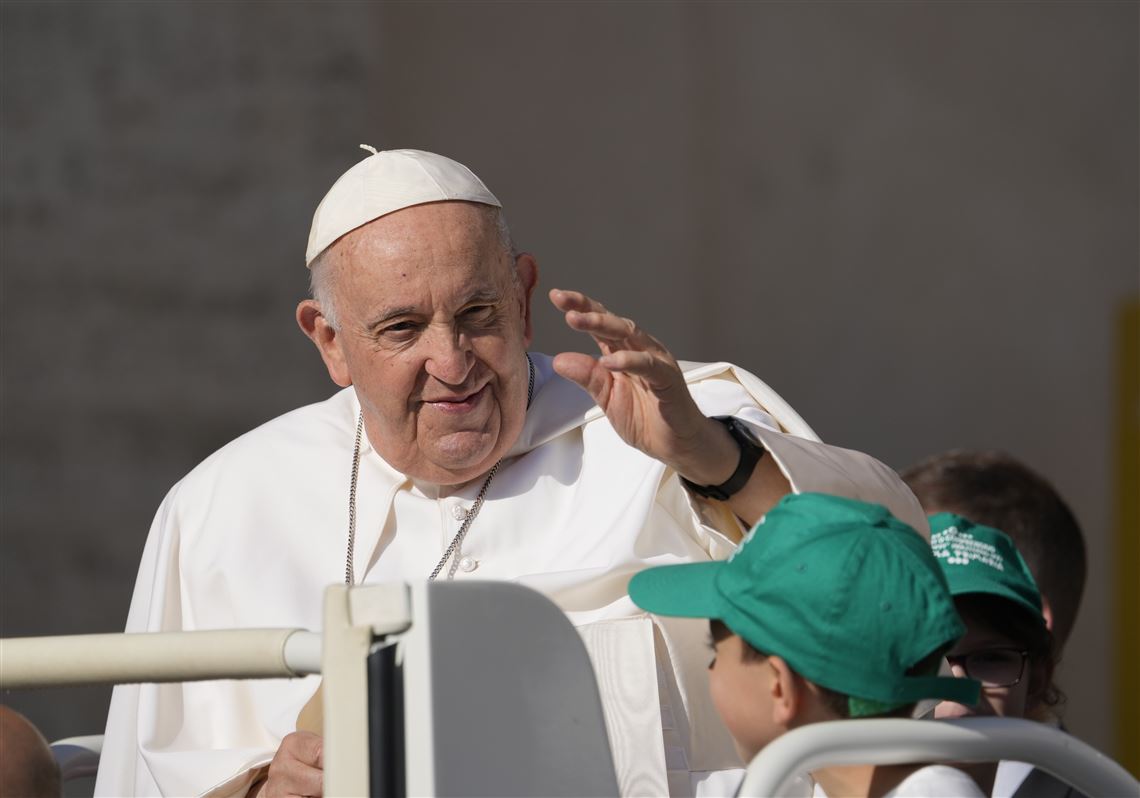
(914, 220)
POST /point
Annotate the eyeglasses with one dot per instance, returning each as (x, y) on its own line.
(993, 667)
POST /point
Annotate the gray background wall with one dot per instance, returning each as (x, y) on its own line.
(915, 220)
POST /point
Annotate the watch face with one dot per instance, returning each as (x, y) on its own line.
(738, 427)
(741, 433)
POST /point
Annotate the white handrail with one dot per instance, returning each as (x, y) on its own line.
(158, 657)
(892, 742)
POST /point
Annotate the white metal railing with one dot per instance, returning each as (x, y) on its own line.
(893, 742)
(158, 657)
(355, 617)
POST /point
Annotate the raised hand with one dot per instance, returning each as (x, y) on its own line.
(637, 383)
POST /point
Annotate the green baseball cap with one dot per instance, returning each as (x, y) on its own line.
(981, 559)
(847, 594)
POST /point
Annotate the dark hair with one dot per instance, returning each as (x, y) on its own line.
(720, 632)
(1013, 621)
(835, 702)
(992, 488)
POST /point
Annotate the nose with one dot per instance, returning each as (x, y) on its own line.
(449, 354)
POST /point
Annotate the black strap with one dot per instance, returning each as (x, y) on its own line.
(750, 453)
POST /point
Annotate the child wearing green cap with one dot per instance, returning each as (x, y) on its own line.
(1007, 646)
(831, 608)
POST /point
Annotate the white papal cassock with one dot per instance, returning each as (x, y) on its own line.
(253, 535)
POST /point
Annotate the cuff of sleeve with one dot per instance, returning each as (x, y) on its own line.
(813, 467)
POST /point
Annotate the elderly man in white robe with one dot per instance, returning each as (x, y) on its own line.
(470, 458)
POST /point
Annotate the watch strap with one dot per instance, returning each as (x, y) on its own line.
(750, 453)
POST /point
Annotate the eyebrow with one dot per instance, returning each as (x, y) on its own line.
(481, 296)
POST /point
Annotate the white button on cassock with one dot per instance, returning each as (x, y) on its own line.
(467, 565)
(459, 512)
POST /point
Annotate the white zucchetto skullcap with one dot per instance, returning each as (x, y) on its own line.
(389, 181)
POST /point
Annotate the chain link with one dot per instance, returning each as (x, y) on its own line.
(349, 577)
(457, 541)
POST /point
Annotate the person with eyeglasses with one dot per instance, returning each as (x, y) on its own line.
(1007, 646)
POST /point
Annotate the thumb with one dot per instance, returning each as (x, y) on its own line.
(319, 757)
(585, 372)
(307, 748)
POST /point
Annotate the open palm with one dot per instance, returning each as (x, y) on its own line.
(636, 381)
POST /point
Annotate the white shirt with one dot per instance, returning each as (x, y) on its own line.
(1009, 776)
(253, 535)
(936, 781)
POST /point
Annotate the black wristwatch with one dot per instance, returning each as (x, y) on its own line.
(750, 453)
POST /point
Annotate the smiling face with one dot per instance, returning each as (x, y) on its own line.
(433, 326)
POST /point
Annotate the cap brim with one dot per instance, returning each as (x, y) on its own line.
(686, 591)
(946, 688)
(1002, 592)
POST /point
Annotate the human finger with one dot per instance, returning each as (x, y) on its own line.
(656, 371)
(606, 325)
(574, 300)
(305, 747)
(291, 779)
(296, 768)
(583, 370)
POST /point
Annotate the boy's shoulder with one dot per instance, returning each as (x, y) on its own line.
(936, 781)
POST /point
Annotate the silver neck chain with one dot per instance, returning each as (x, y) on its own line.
(469, 518)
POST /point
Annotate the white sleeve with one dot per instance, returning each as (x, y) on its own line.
(808, 464)
(811, 466)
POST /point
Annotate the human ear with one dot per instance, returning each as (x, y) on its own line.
(787, 692)
(527, 268)
(327, 340)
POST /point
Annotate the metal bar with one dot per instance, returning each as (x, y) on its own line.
(157, 657)
(892, 742)
(345, 696)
